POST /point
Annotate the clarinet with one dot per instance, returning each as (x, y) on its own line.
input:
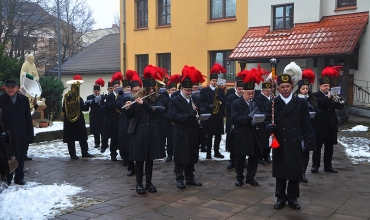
(196, 116)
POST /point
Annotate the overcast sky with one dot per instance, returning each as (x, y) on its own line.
(104, 12)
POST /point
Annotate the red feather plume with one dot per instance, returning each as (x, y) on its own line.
(243, 74)
(217, 69)
(100, 82)
(77, 77)
(331, 71)
(254, 75)
(153, 72)
(193, 74)
(130, 74)
(174, 79)
(117, 76)
(308, 74)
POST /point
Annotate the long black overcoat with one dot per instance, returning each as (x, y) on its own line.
(185, 130)
(75, 131)
(327, 122)
(229, 100)
(245, 132)
(96, 116)
(124, 139)
(262, 136)
(293, 127)
(215, 124)
(111, 116)
(148, 138)
(17, 119)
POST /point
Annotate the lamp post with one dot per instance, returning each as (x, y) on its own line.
(59, 64)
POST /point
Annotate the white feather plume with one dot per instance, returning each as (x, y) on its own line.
(294, 71)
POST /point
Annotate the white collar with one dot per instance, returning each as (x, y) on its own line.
(188, 100)
(213, 88)
(268, 97)
(286, 100)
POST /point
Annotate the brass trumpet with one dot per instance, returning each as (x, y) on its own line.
(338, 99)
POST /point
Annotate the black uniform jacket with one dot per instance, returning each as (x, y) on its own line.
(215, 124)
(262, 136)
(229, 100)
(124, 139)
(185, 130)
(245, 132)
(327, 123)
(111, 119)
(96, 116)
(17, 119)
(293, 127)
(148, 138)
(75, 131)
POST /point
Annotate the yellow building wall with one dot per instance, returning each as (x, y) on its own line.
(190, 37)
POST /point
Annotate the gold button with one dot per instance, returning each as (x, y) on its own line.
(284, 139)
(293, 128)
(283, 128)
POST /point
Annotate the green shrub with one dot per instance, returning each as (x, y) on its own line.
(52, 91)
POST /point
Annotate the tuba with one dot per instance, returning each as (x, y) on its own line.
(31, 88)
(216, 103)
(72, 102)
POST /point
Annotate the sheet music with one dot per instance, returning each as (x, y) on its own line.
(258, 118)
(203, 117)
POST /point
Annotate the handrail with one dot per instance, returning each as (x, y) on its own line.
(360, 94)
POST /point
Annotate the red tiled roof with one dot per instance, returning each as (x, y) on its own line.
(333, 35)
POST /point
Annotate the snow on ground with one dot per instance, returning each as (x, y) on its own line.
(356, 148)
(41, 201)
(357, 128)
(57, 148)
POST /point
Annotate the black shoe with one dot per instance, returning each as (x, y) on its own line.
(131, 173)
(97, 146)
(261, 162)
(74, 157)
(268, 159)
(150, 188)
(193, 183)
(180, 185)
(239, 183)
(314, 169)
(113, 158)
(246, 164)
(294, 204)
(208, 157)
(303, 179)
(27, 158)
(218, 155)
(279, 204)
(140, 189)
(87, 155)
(251, 181)
(330, 170)
(230, 165)
(20, 182)
(169, 158)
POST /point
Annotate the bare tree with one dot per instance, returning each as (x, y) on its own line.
(117, 20)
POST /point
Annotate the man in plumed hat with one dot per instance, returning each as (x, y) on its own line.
(96, 116)
(292, 130)
(16, 116)
(326, 123)
(183, 111)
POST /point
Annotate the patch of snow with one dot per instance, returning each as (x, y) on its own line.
(357, 128)
(356, 148)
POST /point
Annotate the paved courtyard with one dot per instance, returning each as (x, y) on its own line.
(345, 195)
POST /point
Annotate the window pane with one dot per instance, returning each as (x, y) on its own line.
(216, 9)
(279, 23)
(279, 12)
(289, 11)
(169, 19)
(289, 23)
(230, 8)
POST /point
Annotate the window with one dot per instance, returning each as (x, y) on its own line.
(141, 62)
(164, 61)
(164, 12)
(223, 9)
(142, 13)
(346, 3)
(283, 17)
(220, 57)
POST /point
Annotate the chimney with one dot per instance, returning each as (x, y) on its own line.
(114, 26)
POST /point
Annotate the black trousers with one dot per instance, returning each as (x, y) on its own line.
(180, 169)
(203, 138)
(72, 147)
(139, 167)
(287, 194)
(265, 153)
(305, 159)
(251, 168)
(113, 147)
(216, 146)
(169, 146)
(97, 139)
(328, 154)
(19, 172)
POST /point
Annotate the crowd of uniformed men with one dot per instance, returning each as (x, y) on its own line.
(143, 117)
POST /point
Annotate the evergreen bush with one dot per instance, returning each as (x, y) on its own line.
(52, 91)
